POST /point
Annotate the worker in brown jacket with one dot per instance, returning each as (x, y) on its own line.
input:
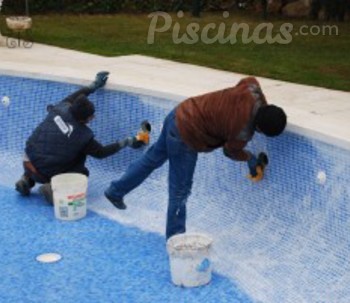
(226, 118)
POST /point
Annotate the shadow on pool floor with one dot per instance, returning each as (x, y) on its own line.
(102, 262)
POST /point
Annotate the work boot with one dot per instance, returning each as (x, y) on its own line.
(100, 80)
(24, 185)
(118, 203)
(46, 191)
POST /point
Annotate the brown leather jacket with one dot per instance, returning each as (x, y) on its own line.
(224, 118)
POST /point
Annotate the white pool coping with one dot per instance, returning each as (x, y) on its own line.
(312, 111)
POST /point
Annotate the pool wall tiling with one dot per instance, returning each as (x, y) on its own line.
(284, 239)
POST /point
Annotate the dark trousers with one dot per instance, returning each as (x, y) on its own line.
(335, 9)
(264, 8)
(196, 8)
(182, 163)
(34, 176)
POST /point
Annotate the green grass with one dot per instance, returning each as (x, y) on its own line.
(315, 60)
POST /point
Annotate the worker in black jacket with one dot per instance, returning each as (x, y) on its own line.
(62, 141)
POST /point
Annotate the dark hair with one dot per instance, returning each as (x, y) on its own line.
(271, 120)
(82, 108)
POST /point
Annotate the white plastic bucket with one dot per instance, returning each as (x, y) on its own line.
(190, 263)
(69, 196)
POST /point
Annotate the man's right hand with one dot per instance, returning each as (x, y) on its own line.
(257, 166)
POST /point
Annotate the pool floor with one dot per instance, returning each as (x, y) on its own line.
(103, 261)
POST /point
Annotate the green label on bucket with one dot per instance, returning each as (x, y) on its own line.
(77, 203)
(204, 265)
(77, 200)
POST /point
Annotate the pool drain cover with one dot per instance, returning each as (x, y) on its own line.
(49, 258)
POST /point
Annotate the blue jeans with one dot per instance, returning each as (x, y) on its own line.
(182, 163)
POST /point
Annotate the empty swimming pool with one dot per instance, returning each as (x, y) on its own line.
(284, 239)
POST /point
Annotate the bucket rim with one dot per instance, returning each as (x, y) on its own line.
(172, 240)
(60, 177)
